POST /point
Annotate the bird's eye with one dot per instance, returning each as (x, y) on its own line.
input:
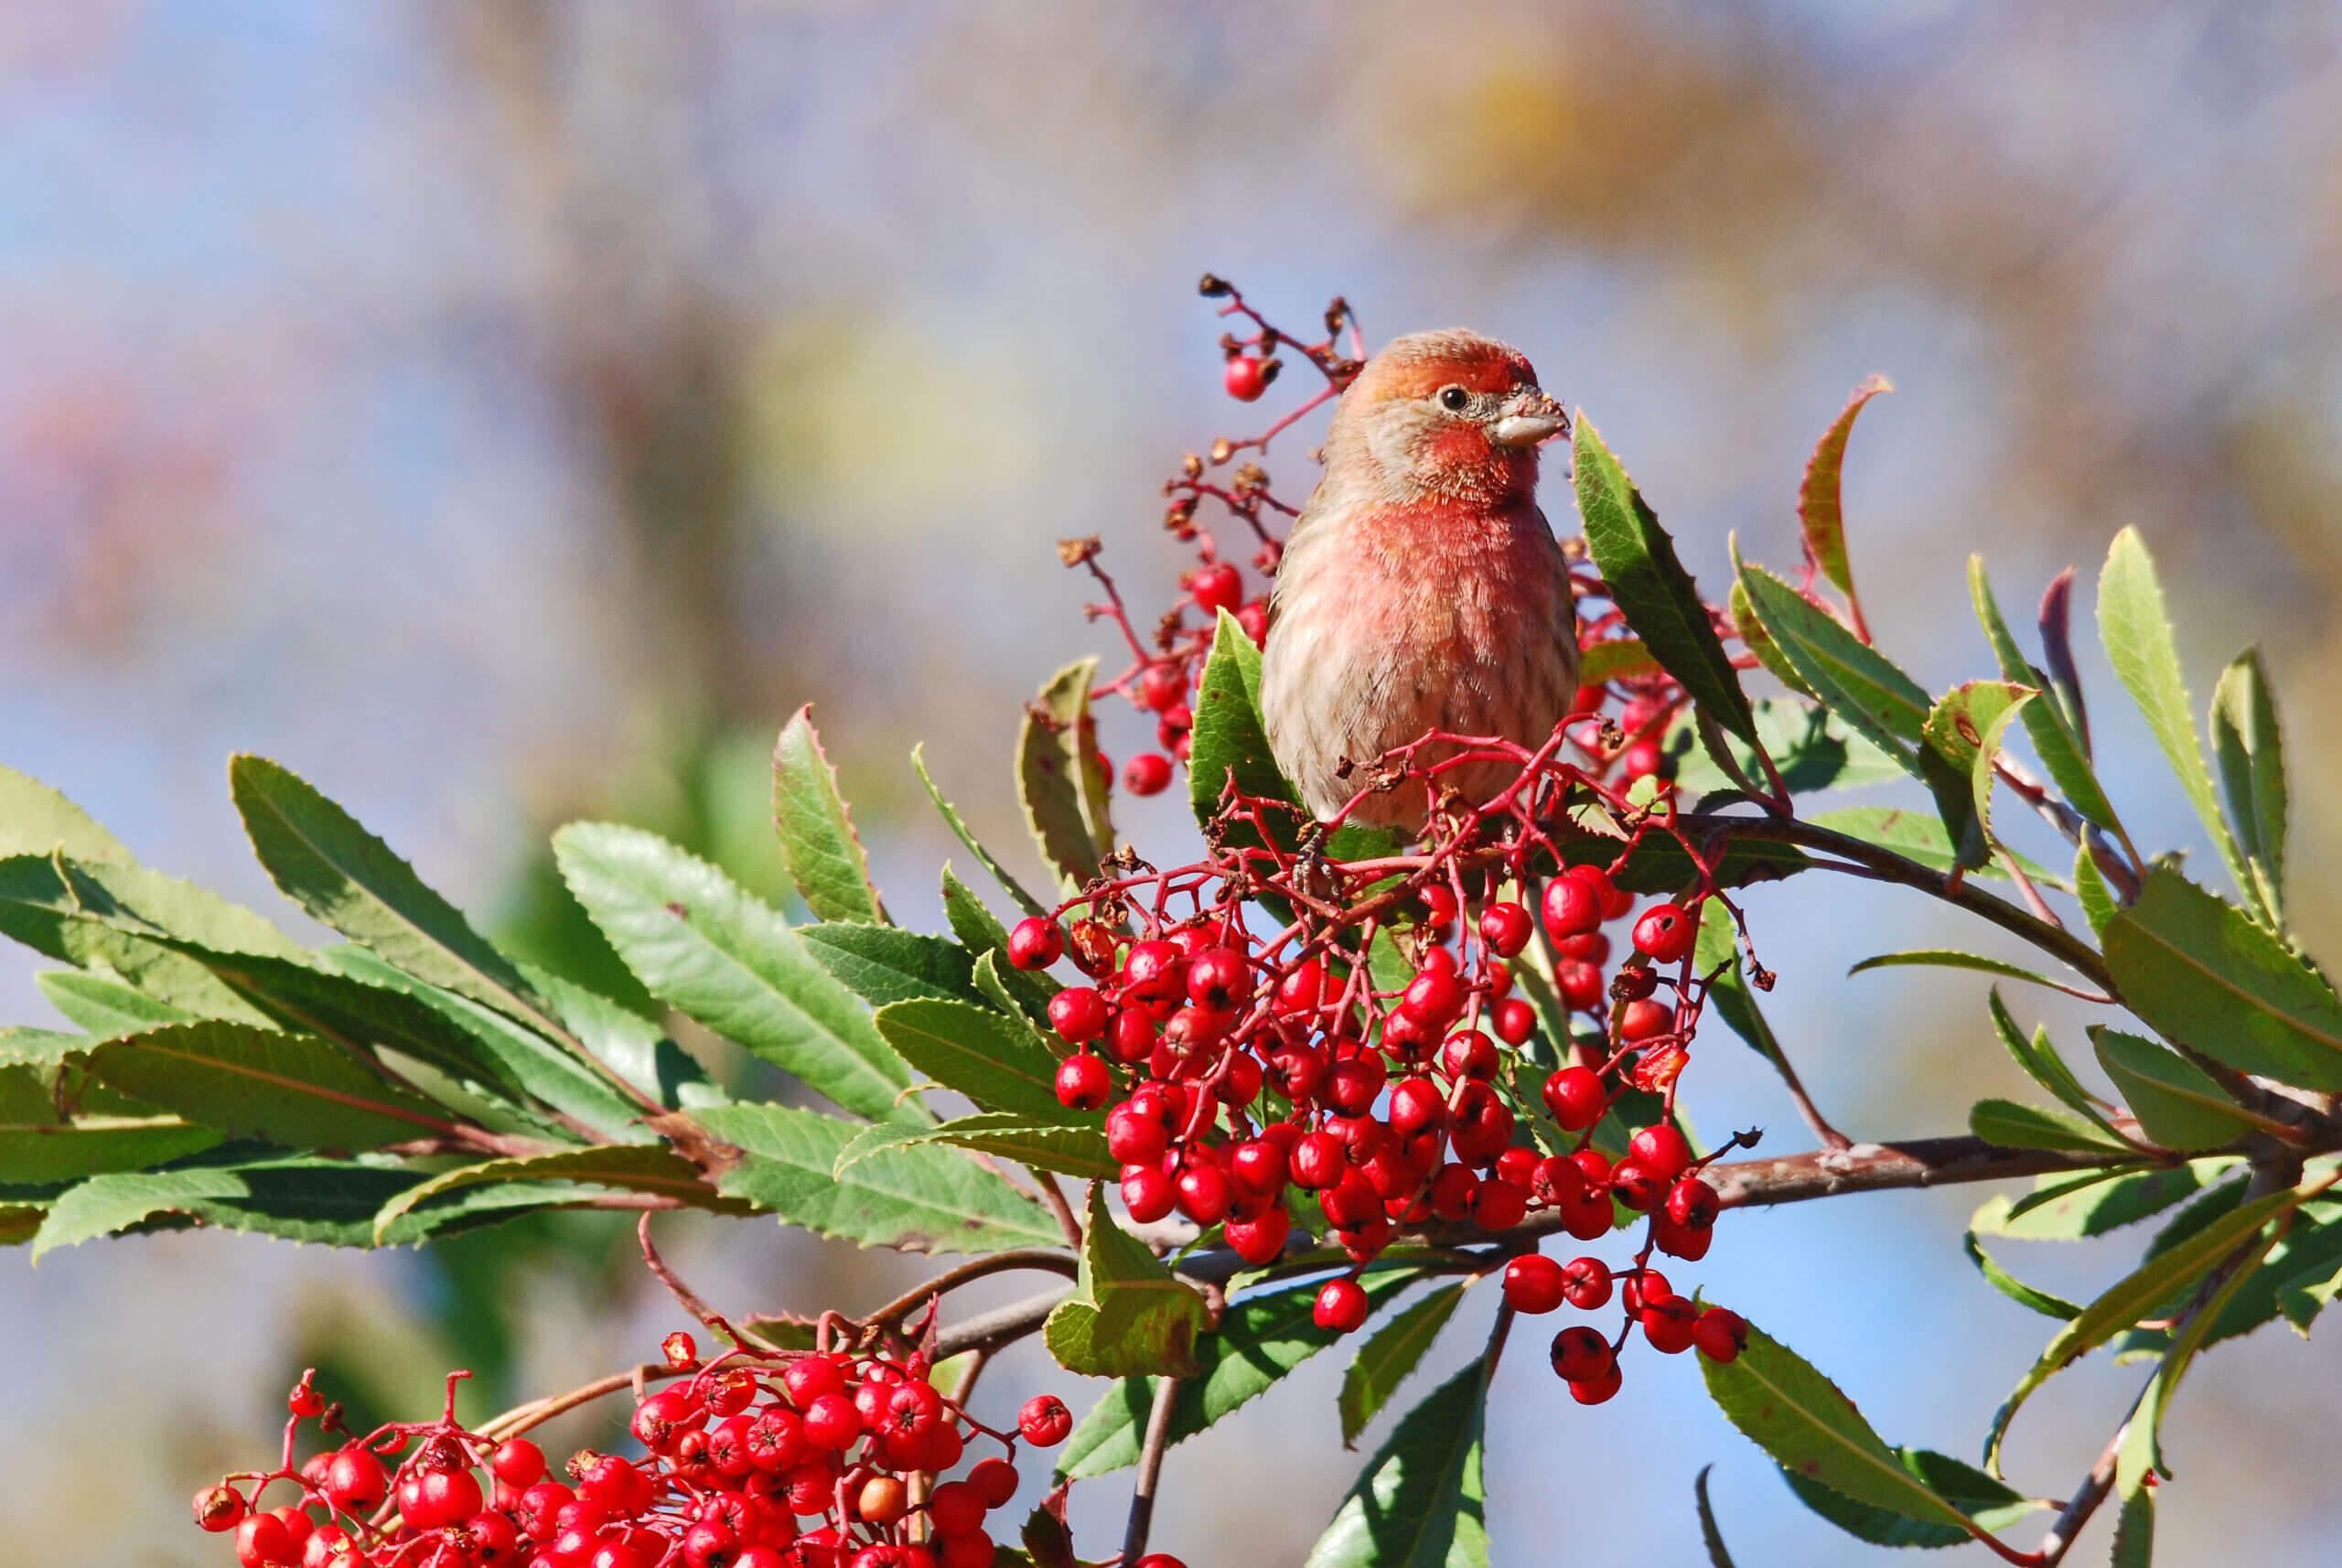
(1453, 399)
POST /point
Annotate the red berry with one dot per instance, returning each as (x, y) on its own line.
(305, 1400)
(1352, 1086)
(356, 1482)
(1216, 588)
(1468, 1053)
(1681, 1241)
(962, 1549)
(1600, 1388)
(1203, 1193)
(1614, 902)
(1637, 1185)
(1580, 984)
(808, 1378)
(1517, 1164)
(1341, 1305)
(1257, 1166)
(1244, 378)
(1260, 1242)
(1159, 1559)
(1668, 1323)
(1513, 1020)
(1439, 906)
(1148, 773)
(1077, 1013)
(1692, 1204)
(1318, 1160)
(1532, 1284)
(1589, 1217)
(1666, 933)
(430, 1499)
(1434, 996)
(833, 1423)
(1483, 1123)
(1160, 686)
(1416, 1106)
(1044, 1421)
(956, 1506)
(1580, 1355)
(262, 1541)
(1083, 1083)
(1498, 1205)
(1451, 1191)
(218, 1508)
(1661, 1150)
(1585, 1284)
(996, 1479)
(1637, 1286)
(1219, 978)
(1134, 1137)
(1645, 1020)
(1720, 1332)
(1505, 928)
(777, 1440)
(1555, 1181)
(518, 1462)
(1575, 1097)
(1571, 907)
(1036, 943)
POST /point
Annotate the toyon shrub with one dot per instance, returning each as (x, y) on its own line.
(1333, 1069)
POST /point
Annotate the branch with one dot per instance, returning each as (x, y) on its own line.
(1150, 1467)
(990, 1330)
(974, 1268)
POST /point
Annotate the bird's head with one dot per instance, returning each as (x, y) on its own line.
(1447, 416)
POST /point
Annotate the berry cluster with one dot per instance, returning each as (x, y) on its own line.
(753, 1460)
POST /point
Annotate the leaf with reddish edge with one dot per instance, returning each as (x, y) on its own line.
(2061, 750)
(817, 838)
(1061, 780)
(1614, 659)
(1649, 586)
(1818, 509)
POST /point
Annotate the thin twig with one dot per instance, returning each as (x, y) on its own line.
(1150, 1467)
(1046, 1257)
(692, 1302)
(1055, 1197)
(2067, 1526)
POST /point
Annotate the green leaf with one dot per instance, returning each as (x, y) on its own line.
(1710, 1536)
(886, 963)
(2011, 1126)
(1419, 1502)
(44, 1153)
(324, 860)
(1717, 952)
(631, 1046)
(106, 1008)
(2191, 1335)
(2133, 625)
(1965, 730)
(1230, 741)
(39, 820)
(1818, 510)
(2308, 1247)
(995, 1060)
(2303, 1295)
(105, 1204)
(960, 830)
(1129, 1315)
(917, 1199)
(2203, 974)
(981, 932)
(2135, 1519)
(2130, 1298)
(1811, 748)
(720, 955)
(1385, 1359)
(1261, 1338)
(2015, 1289)
(2250, 752)
(2041, 1062)
(39, 908)
(1074, 1151)
(1993, 1504)
(2054, 740)
(294, 1090)
(1753, 639)
(1794, 1413)
(2071, 1207)
(1916, 836)
(295, 1197)
(1649, 586)
(1604, 661)
(1951, 958)
(1060, 781)
(2096, 899)
(641, 1167)
(824, 854)
(2177, 1103)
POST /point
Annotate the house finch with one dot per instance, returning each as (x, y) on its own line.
(1421, 588)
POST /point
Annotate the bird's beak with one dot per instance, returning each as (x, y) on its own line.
(1528, 418)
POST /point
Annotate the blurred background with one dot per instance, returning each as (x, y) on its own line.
(504, 412)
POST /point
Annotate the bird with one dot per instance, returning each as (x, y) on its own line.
(1421, 588)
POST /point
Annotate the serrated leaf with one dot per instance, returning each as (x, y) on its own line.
(720, 955)
(2190, 1337)
(642, 1168)
(960, 830)
(1649, 586)
(1599, 663)
(1419, 1502)
(920, 1200)
(2307, 1247)
(104, 1007)
(995, 1060)
(2091, 892)
(1261, 1338)
(1129, 1315)
(1966, 729)
(886, 963)
(1059, 780)
(2303, 1295)
(2136, 632)
(2135, 1516)
(45, 1152)
(2011, 1126)
(1385, 1359)
(37, 908)
(294, 1090)
(105, 1204)
(294, 1197)
(2015, 1289)
(2054, 740)
(2177, 1103)
(981, 932)
(1794, 1413)
(2039, 1059)
(324, 860)
(2070, 1206)
(2250, 752)
(1068, 1150)
(1994, 1505)
(1753, 637)
(39, 820)
(1811, 749)
(629, 1045)
(826, 858)
(1951, 958)
(1820, 514)
(2200, 972)
(2130, 1298)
